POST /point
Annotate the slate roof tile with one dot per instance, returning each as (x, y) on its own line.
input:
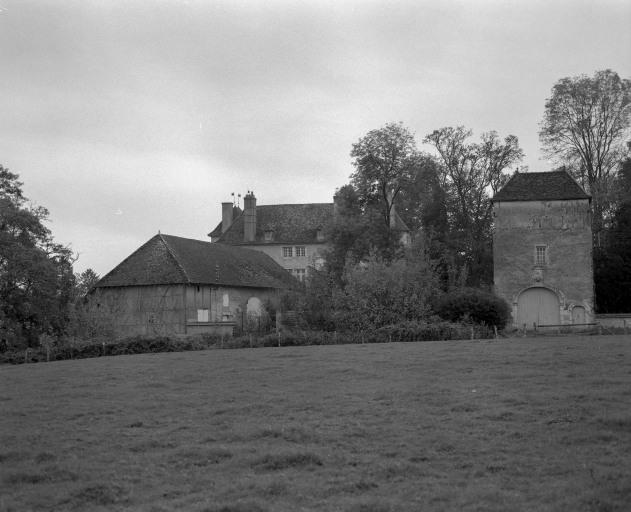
(289, 223)
(540, 186)
(167, 259)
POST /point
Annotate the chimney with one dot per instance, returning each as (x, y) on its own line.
(249, 217)
(226, 216)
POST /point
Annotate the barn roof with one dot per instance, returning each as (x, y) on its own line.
(541, 186)
(289, 223)
(167, 259)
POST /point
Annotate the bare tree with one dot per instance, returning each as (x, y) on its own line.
(585, 123)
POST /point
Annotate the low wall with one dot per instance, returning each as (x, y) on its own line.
(622, 320)
(223, 329)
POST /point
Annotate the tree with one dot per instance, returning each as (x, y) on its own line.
(36, 279)
(469, 171)
(612, 259)
(85, 281)
(383, 160)
(584, 126)
(378, 293)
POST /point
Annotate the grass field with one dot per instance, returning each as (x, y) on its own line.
(523, 424)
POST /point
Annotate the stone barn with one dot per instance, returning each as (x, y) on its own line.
(542, 250)
(178, 286)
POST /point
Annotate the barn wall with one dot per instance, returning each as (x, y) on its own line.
(233, 309)
(173, 310)
(141, 310)
(564, 227)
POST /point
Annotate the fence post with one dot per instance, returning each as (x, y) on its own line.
(495, 330)
(26, 356)
(472, 333)
(278, 337)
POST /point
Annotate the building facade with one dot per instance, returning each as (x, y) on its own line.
(293, 235)
(178, 286)
(542, 250)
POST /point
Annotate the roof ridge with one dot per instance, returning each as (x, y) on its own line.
(177, 261)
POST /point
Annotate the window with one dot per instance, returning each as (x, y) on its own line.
(320, 235)
(226, 300)
(202, 315)
(541, 254)
(300, 274)
(301, 252)
(288, 252)
(269, 234)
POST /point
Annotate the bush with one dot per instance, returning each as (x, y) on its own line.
(470, 304)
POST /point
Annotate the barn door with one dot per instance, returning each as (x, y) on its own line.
(538, 306)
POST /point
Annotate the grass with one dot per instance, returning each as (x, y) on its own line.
(521, 424)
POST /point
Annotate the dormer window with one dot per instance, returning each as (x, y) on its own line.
(320, 235)
(269, 235)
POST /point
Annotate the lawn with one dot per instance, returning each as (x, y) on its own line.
(519, 424)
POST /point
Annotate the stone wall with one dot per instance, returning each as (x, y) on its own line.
(275, 251)
(564, 228)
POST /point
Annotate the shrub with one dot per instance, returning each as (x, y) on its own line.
(475, 305)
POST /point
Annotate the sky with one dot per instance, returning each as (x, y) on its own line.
(126, 118)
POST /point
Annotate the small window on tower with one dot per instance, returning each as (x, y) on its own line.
(541, 255)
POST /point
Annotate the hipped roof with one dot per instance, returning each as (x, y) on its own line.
(167, 259)
(541, 186)
(289, 224)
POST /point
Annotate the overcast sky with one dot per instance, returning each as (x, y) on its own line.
(128, 117)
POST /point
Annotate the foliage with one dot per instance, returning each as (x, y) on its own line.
(383, 160)
(467, 172)
(612, 259)
(584, 127)
(377, 293)
(36, 278)
(475, 305)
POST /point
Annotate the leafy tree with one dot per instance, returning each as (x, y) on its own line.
(468, 172)
(584, 126)
(36, 279)
(378, 293)
(612, 259)
(383, 160)
(85, 281)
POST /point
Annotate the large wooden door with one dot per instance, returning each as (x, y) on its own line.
(538, 306)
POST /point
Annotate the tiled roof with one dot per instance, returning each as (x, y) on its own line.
(540, 186)
(290, 223)
(167, 259)
(236, 211)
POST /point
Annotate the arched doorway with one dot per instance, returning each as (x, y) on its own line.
(538, 306)
(254, 307)
(578, 315)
